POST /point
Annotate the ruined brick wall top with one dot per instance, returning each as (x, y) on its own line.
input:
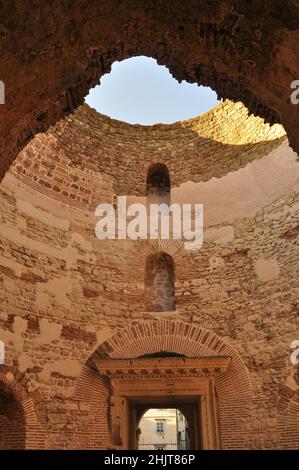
(88, 150)
(246, 51)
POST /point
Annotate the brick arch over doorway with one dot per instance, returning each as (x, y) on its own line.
(233, 388)
(246, 52)
(30, 411)
(288, 412)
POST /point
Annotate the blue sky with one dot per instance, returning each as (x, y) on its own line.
(138, 90)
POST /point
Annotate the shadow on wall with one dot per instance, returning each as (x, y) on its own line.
(113, 148)
(12, 420)
(22, 413)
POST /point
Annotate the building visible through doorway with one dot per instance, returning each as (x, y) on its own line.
(163, 429)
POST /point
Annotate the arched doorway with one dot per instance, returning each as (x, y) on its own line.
(12, 420)
(198, 44)
(22, 413)
(141, 383)
(134, 364)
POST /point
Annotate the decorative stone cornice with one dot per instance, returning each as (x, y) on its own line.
(163, 367)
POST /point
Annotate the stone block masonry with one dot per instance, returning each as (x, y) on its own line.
(68, 299)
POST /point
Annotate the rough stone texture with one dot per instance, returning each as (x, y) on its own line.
(50, 57)
(68, 298)
(159, 283)
(79, 159)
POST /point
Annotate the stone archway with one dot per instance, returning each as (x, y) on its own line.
(287, 419)
(245, 52)
(232, 387)
(27, 411)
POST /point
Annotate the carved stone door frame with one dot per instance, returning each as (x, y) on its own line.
(163, 380)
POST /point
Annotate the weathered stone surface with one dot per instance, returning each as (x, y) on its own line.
(79, 163)
(52, 53)
(68, 298)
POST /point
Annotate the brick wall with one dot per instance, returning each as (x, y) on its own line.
(78, 161)
(159, 283)
(64, 294)
(12, 421)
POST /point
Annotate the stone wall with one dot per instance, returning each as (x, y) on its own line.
(64, 294)
(87, 156)
(50, 59)
(159, 283)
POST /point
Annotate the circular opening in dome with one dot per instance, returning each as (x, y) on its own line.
(139, 91)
